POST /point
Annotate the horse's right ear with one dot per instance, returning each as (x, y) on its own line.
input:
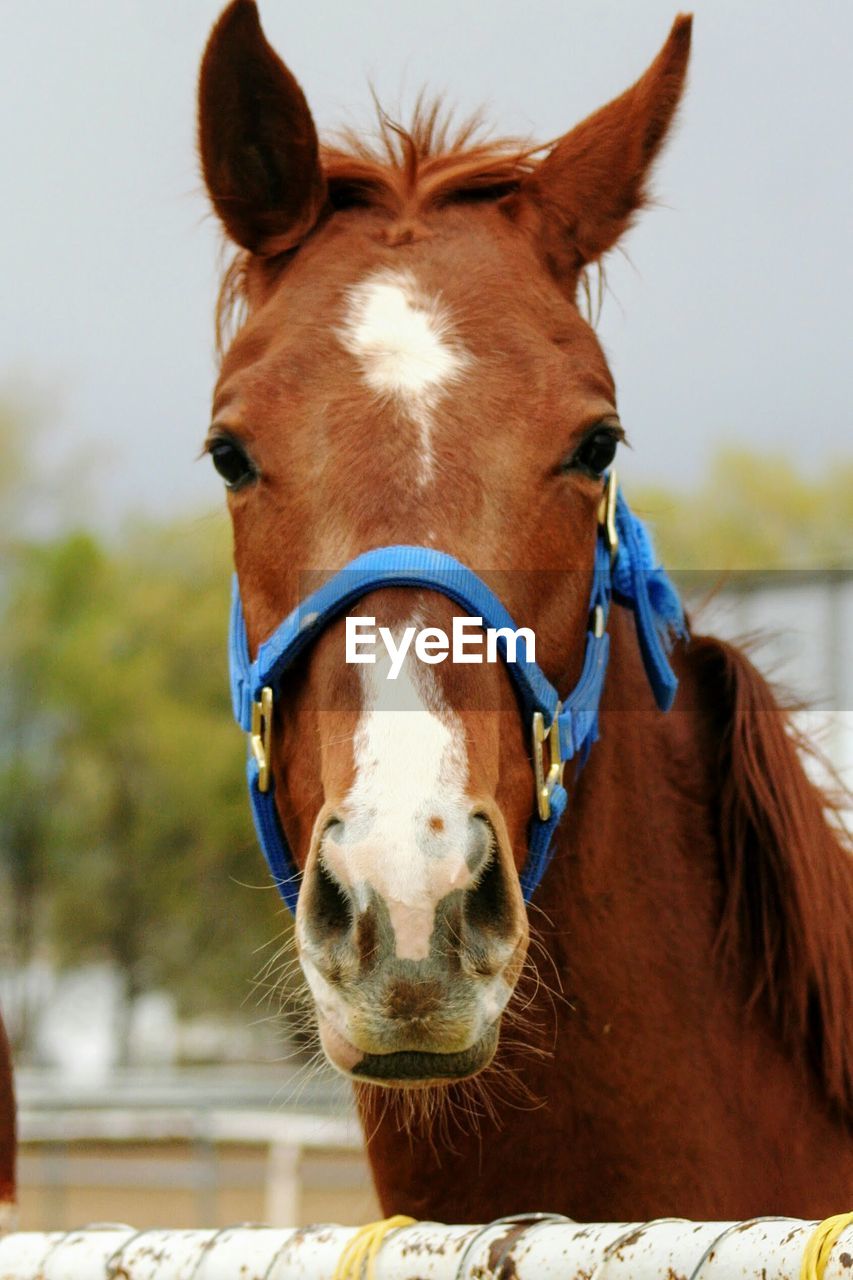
(258, 144)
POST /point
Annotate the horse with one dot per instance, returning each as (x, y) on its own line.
(8, 1136)
(665, 1028)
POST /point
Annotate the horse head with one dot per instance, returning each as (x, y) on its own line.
(411, 366)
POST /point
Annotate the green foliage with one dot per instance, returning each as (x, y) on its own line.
(753, 512)
(130, 837)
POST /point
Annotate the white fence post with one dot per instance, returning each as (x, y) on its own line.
(282, 1191)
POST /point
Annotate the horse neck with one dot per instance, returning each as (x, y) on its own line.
(642, 1082)
(634, 873)
(717, 947)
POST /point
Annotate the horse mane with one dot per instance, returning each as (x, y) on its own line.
(406, 170)
(403, 171)
(787, 870)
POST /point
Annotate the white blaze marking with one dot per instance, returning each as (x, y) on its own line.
(402, 341)
(411, 769)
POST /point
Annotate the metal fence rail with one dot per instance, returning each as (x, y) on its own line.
(534, 1248)
(213, 1165)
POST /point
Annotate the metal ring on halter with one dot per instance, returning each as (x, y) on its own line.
(515, 1219)
(730, 1230)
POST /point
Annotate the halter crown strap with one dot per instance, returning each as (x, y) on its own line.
(624, 569)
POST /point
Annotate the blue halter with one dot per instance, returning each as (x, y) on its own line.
(624, 570)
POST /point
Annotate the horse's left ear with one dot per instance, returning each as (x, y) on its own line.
(258, 144)
(581, 198)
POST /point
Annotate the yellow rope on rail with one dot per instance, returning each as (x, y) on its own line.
(365, 1246)
(821, 1243)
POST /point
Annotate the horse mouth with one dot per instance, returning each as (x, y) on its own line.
(414, 1068)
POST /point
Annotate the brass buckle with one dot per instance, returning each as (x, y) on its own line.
(546, 779)
(607, 514)
(260, 736)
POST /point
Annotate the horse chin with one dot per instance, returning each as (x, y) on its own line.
(408, 1068)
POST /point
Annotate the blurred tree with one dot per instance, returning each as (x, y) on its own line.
(26, 767)
(26, 727)
(754, 511)
(152, 845)
(124, 827)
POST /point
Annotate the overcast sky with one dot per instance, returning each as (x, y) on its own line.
(732, 319)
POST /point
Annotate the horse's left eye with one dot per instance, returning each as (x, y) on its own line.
(232, 463)
(595, 454)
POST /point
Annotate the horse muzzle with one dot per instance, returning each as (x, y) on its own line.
(408, 995)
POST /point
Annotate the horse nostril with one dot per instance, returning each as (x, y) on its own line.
(329, 912)
(487, 907)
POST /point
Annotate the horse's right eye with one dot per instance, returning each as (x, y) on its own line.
(232, 463)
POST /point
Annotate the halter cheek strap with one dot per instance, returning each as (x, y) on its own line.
(624, 570)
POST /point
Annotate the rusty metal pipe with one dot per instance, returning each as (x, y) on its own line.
(528, 1250)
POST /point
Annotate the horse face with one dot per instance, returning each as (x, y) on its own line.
(412, 368)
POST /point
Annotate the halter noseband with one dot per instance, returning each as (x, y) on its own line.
(624, 570)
